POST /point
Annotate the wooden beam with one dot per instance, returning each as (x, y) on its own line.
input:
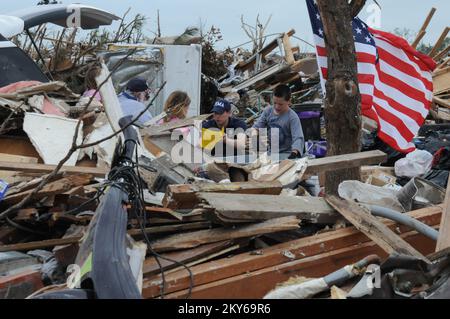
(170, 229)
(423, 29)
(444, 230)
(184, 196)
(345, 161)
(257, 284)
(263, 207)
(442, 102)
(45, 169)
(439, 42)
(57, 187)
(40, 244)
(442, 54)
(195, 239)
(151, 266)
(20, 285)
(74, 240)
(288, 54)
(373, 228)
(250, 62)
(276, 255)
(419, 38)
(15, 159)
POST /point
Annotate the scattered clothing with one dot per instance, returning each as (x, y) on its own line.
(90, 93)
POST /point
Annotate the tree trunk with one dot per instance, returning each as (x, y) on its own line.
(343, 100)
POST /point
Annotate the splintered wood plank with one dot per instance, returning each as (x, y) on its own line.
(184, 196)
(423, 29)
(345, 161)
(300, 249)
(40, 244)
(42, 168)
(444, 229)
(288, 54)
(373, 228)
(439, 42)
(256, 285)
(263, 207)
(151, 266)
(170, 229)
(57, 187)
(195, 239)
(15, 159)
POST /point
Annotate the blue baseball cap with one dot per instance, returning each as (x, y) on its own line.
(137, 85)
(221, 106)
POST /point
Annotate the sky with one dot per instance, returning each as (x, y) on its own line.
(176, 15)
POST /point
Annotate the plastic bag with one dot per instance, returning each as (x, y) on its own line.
(414, 164)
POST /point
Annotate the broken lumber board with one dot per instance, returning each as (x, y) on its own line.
(250, 62)
(444, 229)
(151, 266)
(210, 257)
(160, 212)
(20, 285)
(423, 29)
(373, 228)
(256, 285)
(288, 54)
(15, 159)
(439, 42)
(170, 229)
(263, 207)
(184, 196)
(345, 161)
(441, 102)
(442, 54)
(75, 239)
(275, 255)
(40, 244)
(53, 188)
(42, 168)
(195, 239)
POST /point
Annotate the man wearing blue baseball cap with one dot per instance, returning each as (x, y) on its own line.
(233, 128)
(133, 98)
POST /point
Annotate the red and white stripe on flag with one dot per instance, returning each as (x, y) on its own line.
(396, 86)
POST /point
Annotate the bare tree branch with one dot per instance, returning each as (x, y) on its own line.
(3, 127)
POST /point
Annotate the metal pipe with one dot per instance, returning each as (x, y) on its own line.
(342, 275)
(404, 220)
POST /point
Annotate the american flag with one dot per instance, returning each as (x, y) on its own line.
(395, 80)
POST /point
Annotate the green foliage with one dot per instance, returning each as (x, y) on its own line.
(212, 62)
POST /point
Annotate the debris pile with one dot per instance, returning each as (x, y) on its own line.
(89, 196)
